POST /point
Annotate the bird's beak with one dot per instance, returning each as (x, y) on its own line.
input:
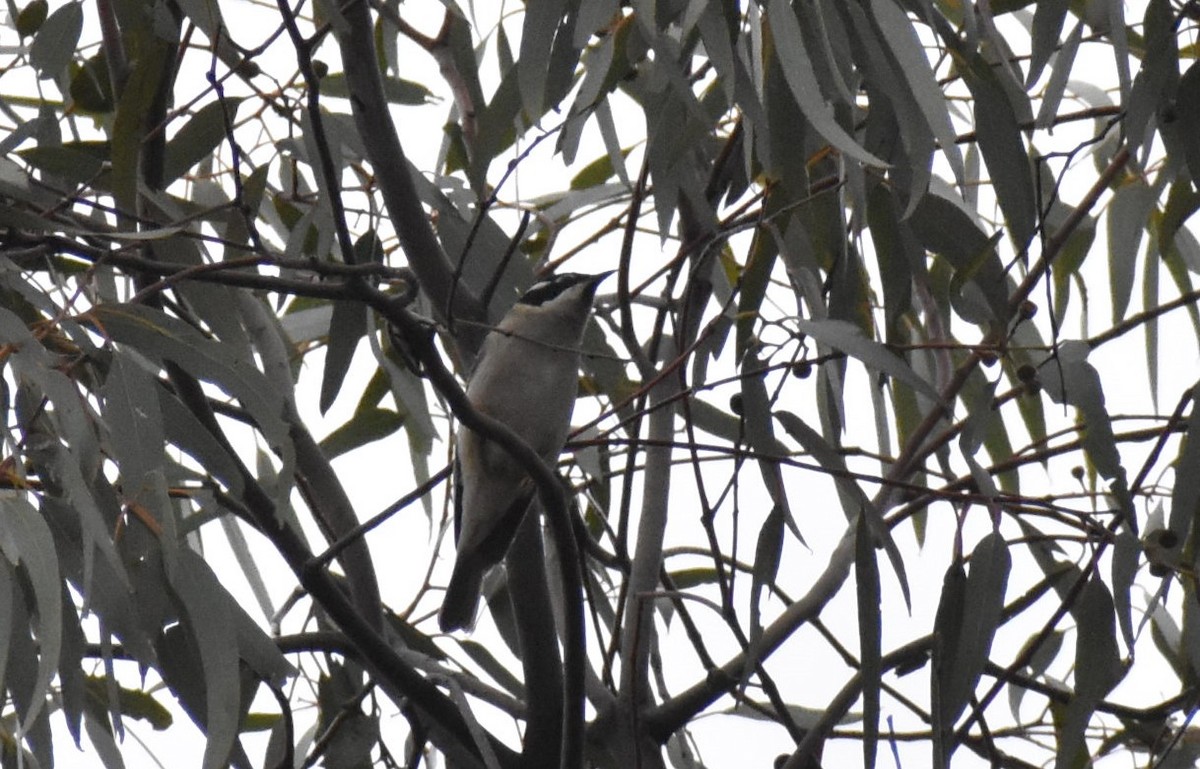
(594, 282)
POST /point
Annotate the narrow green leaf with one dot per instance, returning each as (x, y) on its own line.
(854, 500)
(161, 337)
(1127, 552)
(1185, 496)
(766, 565)
(849, 338)
(1043, 656)
(1048, 21)
(26, 541)
(184, 431)
(198, 138)
(870, 633)
(1150, 281)
(1187, 115)
(7, 617)
(135, 422)
(1097, 670)
(1128, 217)
(1068, 378)
(25, 689)
(1158, 76)
(896, 252)
(1118, 37)
(906, 46)
(542, 18)
(948, 231)
(346, 328)
(947, 635)
(851, 495)
(968, 636)
(102, 740)
(70, 665)
(1056, 87)
(1001, 144)
(396, 90)
(205, 605)
(365, 426)
(483, 657)
(986, 584)
(759, 434)
(802, 79)
(128, 127)
(1182, 202)
(78, 162)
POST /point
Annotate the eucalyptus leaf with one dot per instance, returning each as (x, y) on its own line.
(1097, 670)
(802, 79)
(57, 37)
(848, 338)
(26, 541)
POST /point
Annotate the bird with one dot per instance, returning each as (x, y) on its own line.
(527, 377)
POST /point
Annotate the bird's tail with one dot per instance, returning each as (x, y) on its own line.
(462, 596)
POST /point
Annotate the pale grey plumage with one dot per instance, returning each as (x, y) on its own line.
(526, 377)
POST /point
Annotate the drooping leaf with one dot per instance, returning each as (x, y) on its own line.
(967, 636)
(854, 500)
(135, 422)
(1185, 496)
(136, 101)
(870, 631)
(199, 137)
(1068, 378)
(947, 641)
(1048, 21)
(766, 565)
(915, 68)
(802, 79)
(1043, 656)
(1126, 553)
(542, 19)
(1187, 118)
(1097, 670)
(1002, 147)
(759, 434)
(895, 250)
(947, 230)
(1128, 216)
(1057, 86)
(161, 337)
(184, 431)
(346, 328)
(8, 612)
(205, 605)
(26, 541)
(25, 687)
(1182, 202)
(102, 740)
(1157, 77)
(849, 338)
(1150, 304)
